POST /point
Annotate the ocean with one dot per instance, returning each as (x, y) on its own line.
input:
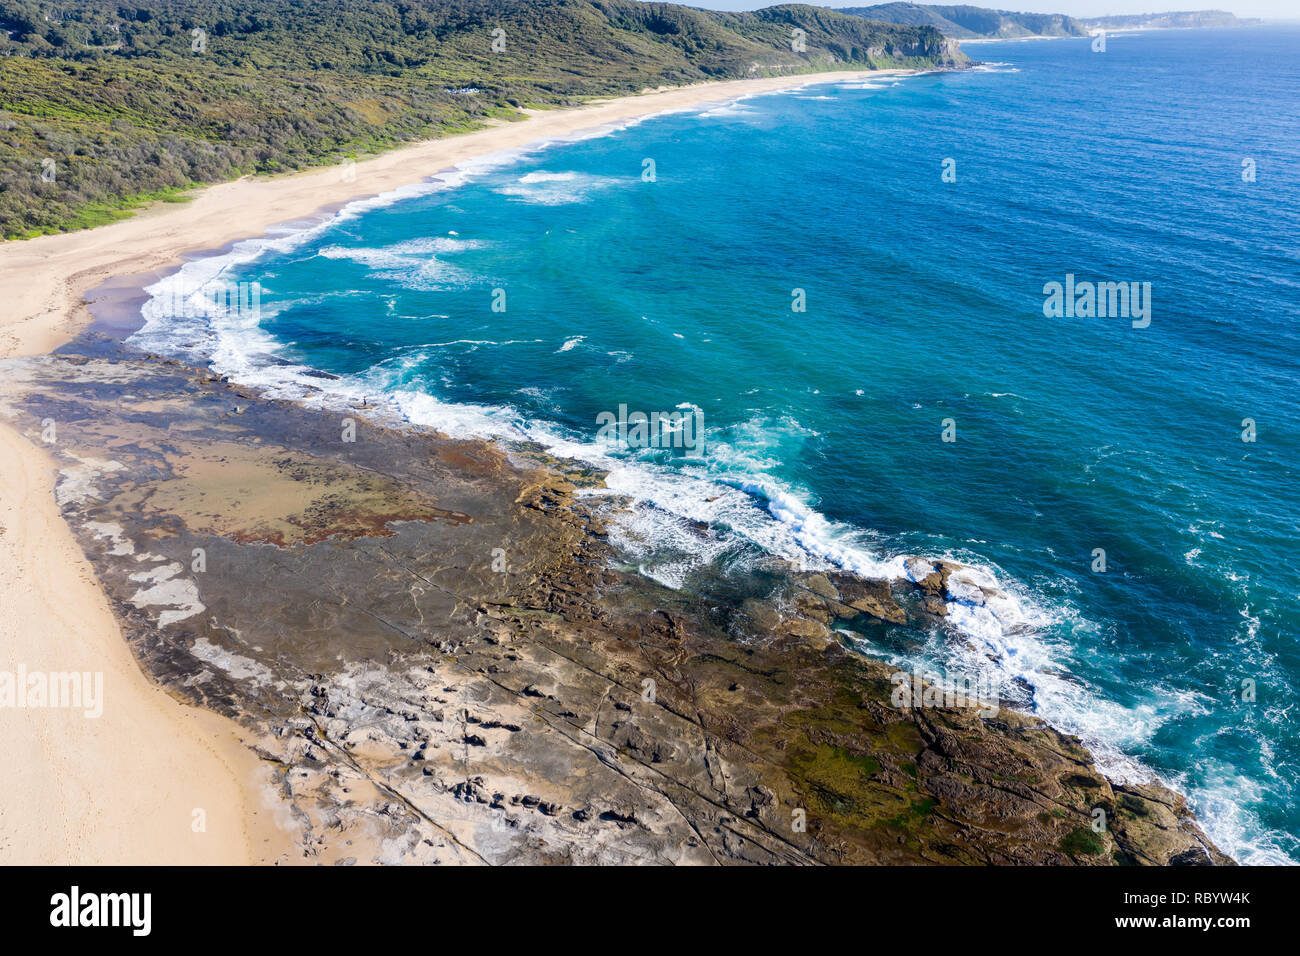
(844, 292)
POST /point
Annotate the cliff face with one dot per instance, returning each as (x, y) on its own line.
(438, 657)
(941, 49)
(938, 49)
(849, 40)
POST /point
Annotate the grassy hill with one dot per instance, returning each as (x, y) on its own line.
(967, 22)
(139, 99)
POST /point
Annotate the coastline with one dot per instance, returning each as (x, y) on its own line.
(1125, 30)
(45, 279)
(92, 812)
(160, 241)
(414, 703)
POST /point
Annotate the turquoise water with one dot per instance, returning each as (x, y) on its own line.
(924, 303)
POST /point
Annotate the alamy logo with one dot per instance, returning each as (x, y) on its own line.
(916, 690)
(74, 908)
(244, 301)
(677, 429)
(73, 690)
(1122, 300)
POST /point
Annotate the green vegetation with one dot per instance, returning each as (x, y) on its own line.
(839, 782)
(1081, 841)
(119, 102)
(966, 22)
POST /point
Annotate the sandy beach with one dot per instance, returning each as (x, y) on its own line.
(127, 787)
(148, 781)
(44, 280)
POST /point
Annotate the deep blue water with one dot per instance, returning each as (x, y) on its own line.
(924, 303)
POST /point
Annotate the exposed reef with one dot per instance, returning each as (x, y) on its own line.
(434, 650)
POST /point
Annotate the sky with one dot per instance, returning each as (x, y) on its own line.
(1267, 9)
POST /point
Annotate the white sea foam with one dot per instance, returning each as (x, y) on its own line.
(734, 491)
(733, 110)
(1222, 803)
(411, 264)
(558, 189)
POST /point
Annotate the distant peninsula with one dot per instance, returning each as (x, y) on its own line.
(964, 22)
(1183, 20)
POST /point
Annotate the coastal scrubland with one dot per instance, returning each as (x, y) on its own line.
(106, 105)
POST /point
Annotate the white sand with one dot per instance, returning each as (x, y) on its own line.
(122, 787)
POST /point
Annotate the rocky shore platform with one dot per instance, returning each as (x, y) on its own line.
(438, 657)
